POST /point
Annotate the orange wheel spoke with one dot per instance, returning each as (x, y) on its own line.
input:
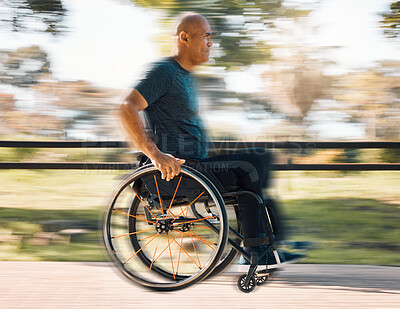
(194, 247)
(132, 233)
(145, 205)
(202, 227)
(187, 210)
(155, 252)
(179, 256)
(205, 241)
(154, 236)
(185, 251)
(196, 220)
(145, 238)
(141, 216)
(171, 213)
(125, 213)
(188, 206)
(159, 196)
(170, 254)
(176, 190)
(169, 243)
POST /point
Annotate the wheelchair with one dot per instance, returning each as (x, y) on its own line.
(168, 235)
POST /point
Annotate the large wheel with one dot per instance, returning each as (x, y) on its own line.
(166, 235)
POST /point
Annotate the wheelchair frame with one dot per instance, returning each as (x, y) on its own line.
(142, 212)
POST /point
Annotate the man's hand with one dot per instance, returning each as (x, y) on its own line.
(168, 165)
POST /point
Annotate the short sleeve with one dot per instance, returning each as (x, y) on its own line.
(156, 82)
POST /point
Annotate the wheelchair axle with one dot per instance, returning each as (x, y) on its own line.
(167, 225)
(164, 226)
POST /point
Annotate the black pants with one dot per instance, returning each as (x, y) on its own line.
(247, 169)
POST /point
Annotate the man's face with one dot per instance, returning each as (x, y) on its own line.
(200, 43)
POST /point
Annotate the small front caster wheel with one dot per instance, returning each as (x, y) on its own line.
(246, 288)
(260, 280)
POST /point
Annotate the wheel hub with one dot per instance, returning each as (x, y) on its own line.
(164, 226)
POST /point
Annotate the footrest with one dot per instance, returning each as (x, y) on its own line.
(256, 241)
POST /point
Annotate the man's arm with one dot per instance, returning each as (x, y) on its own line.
(129, 112)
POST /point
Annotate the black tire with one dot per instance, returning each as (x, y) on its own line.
(246, 288)
(136, 216)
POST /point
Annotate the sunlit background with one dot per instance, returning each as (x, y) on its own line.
(320, 70)
(280, 71)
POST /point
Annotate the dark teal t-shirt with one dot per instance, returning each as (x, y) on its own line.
(172, 110)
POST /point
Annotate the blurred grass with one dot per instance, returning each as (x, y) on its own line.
(35, 234)
(31, 197)
(352, 218)
(348, 231)
(10, 154)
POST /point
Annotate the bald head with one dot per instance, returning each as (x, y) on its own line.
(190, 23)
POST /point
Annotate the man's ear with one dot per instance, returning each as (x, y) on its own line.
(183, 36)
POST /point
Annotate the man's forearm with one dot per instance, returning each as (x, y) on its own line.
(168, 165)
(134, 126)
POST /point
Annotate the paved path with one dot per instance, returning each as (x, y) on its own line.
(96, 285)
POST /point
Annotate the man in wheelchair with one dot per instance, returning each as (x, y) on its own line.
(167, 96)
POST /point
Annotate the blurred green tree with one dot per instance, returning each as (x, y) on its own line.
(391, 20)
(242, 26)
(371, 97)
(390, 155)
(23, 67)
(295, 82)
(22, 15)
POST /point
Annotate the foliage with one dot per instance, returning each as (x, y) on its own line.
(391, 155)
(348, 156)
(370, 97)
(24, 66)
(24, 14)
(295, 83)
(24, 153)
(241, 25)
(391, 20)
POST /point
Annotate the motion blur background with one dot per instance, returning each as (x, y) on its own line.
(280, 71)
